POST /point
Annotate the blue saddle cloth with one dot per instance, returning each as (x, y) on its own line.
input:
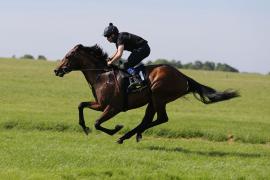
(137, 79)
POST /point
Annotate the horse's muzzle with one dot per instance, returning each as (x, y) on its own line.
(59, 72)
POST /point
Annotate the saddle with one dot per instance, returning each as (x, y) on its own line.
(126, 79)
(134, 81)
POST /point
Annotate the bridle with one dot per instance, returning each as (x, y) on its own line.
(112, 68)
(67, 69)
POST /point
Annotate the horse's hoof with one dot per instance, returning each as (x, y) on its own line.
(118, 127)
(86, 130)
(120, 141)
(139, 137)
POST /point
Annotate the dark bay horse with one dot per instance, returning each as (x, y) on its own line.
(166, 84)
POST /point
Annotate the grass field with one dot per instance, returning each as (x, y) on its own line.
(40, 137)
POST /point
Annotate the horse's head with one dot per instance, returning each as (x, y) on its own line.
(80, 58)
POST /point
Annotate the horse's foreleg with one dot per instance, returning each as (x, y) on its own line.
(148, 117)
(91, 105)
(107, 114)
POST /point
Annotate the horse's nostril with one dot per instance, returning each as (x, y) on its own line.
(57, 72)
(65, 69)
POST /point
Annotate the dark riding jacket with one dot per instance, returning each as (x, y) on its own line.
(130, 41)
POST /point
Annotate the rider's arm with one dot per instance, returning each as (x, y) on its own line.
(117, 55)
(110, 58)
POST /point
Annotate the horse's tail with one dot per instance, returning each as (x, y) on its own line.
(209, 95)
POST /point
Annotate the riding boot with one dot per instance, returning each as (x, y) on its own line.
(135, 82)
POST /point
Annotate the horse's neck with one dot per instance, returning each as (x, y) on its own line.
(91, 77)
(102, 83)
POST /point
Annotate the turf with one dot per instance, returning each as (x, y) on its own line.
(40, 137)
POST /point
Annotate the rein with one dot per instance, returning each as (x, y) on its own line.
(102, 69)
(91, 69)
(107, 69)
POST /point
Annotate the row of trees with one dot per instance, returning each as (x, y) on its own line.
(197, 65)
(29, 56)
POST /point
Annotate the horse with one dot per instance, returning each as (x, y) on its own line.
(165, 84)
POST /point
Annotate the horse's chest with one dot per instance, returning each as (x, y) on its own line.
(105, 89)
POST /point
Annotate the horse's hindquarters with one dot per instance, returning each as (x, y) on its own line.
(167, 83)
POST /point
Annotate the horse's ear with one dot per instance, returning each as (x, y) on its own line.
(79, 46)
(98, 51)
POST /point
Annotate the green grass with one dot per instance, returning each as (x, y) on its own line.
(56, 155)
(40, 137)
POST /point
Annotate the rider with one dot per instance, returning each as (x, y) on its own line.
(138, 47)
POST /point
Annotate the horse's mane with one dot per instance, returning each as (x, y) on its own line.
(98, 52)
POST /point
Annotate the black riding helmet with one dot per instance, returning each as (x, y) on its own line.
(111, 29)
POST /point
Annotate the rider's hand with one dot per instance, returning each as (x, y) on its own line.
(109, 63)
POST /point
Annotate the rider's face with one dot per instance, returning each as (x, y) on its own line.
(110, 38)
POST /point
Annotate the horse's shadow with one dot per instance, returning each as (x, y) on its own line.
(205, 153)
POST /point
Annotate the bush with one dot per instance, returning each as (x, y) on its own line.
(41, 57)
(225, 67)
(174, 63)
(197, 65)
(27, 56)
(209, 66)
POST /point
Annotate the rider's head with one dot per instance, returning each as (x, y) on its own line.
(111, 32)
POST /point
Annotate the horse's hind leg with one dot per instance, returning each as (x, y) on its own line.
(107, 114)
(161, 118)
(91, 105)
(148, 117)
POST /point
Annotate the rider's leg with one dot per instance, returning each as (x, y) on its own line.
(135, 58)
